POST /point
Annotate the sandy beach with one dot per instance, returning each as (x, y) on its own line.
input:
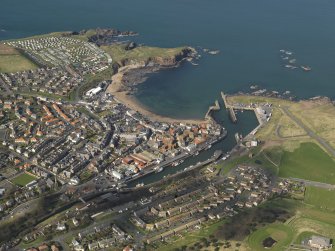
(121, 94)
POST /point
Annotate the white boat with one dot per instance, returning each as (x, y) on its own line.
(208, 147)
(159, 170)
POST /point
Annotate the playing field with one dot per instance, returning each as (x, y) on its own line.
(23, 179)
(308, 162)
(281, 233)
(12, 60)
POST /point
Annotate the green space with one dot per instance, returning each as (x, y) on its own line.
(23, 179)
(140, 54)
(192, 238)
(323, 198)
(11, 60)
(308, 162)
(281, 233)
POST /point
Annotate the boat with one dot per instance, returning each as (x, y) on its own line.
(174, 163)
(196, 153)
(140, 184)
(306, 68)
(159, 169)
(208, 147)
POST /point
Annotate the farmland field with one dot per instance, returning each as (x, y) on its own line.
(11, 60)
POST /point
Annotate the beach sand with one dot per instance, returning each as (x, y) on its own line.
(121, 94)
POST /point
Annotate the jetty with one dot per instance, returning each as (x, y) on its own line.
(232, 115)
(224, 98)
(230, 108)
(215, 107)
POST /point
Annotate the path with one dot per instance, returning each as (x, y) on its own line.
(310, 133)
(314, 183)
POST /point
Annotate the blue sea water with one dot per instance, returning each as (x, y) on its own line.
(249, 35)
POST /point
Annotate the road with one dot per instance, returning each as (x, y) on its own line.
(314, 183)
(309, 132)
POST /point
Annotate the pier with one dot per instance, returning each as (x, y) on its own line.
(215, 107)
(230, 108)
(224, 98)
(232, 115)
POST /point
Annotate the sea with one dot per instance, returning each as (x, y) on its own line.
(248, 33)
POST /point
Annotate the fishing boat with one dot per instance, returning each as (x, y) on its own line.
(140, 184)
(208, 147)
(159, 169)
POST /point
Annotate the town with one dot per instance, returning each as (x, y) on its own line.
(74, 157)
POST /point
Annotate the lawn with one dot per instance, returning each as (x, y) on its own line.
(11, 60)
(308, 162)
(281, 233)
(23, 179)
(319, 197)
(191, 238)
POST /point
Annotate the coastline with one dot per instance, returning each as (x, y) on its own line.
(122, 92)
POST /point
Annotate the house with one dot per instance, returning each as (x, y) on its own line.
(54, 248)
(93, 246)
(43, 247)
(61, 227)
(319, 242)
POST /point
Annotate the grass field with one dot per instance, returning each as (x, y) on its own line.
(320, 118)
(309, 162)
(191, 238)
(281, 233)
(12, 60)
(23, 179)
(323, 198)
(140, 54)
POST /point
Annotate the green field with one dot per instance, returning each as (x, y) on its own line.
(281, 233)
(319, 197)
(140, 54)
(23, 179)
(308, 162)
(12, 60)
